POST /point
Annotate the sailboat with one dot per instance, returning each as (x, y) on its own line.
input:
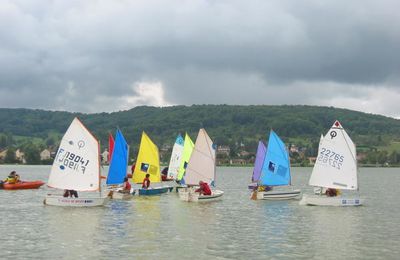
(276, 171)
(118, 167)
(258, 163)
(176, 158)
(335, 168)
(148, 162)
(201, 167)
(76, 167)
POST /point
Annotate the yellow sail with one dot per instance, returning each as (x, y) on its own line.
(187, 152)
(147, 161)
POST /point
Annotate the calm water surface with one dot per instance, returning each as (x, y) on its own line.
(234, 228)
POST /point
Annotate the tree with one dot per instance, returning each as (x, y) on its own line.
(10, 156)
(32, 154)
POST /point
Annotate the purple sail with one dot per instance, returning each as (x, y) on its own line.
(258, 164)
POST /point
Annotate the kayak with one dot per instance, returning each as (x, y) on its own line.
(22, 185)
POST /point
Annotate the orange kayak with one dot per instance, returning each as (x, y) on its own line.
(23, 185)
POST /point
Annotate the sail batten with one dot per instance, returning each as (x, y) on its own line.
(77, 162)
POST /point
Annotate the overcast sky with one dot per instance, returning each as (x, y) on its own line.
(103, 56)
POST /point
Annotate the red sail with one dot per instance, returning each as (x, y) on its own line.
(110, 147)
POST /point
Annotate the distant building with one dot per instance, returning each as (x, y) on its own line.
(20, 156)
(238, 162)
(224, 150)
(293, 149)
(3, 154)
(104, 156)
(244, 154)
(312, 160)
(45, 155)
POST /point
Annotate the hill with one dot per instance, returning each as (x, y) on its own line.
(236, 126)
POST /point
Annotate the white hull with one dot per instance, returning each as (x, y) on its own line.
(322, 200)
(58, 200)
(189, 194)
(278, 195)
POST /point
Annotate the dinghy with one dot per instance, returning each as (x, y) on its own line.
(201, 167)
(118, 167)
(175, 160)
(275, 172)
(76, 167)
(21, 185)
(335, 168)
(148, 162)
(258, 163)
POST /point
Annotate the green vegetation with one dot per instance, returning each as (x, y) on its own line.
(239, 127)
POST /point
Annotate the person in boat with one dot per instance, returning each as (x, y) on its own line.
(264, 188)
(164, 175)
(146, 182)
(12, 178)
(330, 192)
(70, 193)
(204, 189)
(126, 187)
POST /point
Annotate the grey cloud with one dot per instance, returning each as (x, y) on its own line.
(87, 55)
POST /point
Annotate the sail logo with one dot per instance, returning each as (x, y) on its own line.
(333, 134)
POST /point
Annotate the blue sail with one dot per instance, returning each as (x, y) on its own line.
(119, 160)
(276, 167)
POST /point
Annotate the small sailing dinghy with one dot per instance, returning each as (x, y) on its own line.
(148, 162)
(118, 167)
(334, 169)
(258, 164)
(275, 172)
(76, 167)
(201, 167)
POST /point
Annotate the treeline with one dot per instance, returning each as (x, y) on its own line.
(239, 127)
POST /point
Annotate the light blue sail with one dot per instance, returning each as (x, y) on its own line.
(276, 166)
(119, 160)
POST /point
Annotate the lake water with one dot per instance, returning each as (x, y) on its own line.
(235, 227)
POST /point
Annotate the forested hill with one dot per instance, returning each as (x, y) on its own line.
(226, 124)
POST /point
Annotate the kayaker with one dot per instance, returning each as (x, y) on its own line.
(12, 178)
(146, 182)
(204, 189)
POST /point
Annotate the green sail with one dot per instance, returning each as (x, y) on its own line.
(187, 152)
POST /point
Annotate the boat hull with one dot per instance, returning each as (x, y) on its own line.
(154, 191)
(23, 185)
(189, 194)
(278, 195)
(58, 200)
(321, 200)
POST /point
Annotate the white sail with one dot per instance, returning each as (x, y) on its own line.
(76, 165)
(336, 164)
(201, 166)
(176, 158)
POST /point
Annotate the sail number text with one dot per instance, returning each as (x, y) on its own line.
(72, 161)
(331, 158)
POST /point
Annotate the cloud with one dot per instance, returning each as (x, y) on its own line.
(94, 56)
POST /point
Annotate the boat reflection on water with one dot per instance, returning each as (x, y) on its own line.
(73, 230)
(338, 231)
